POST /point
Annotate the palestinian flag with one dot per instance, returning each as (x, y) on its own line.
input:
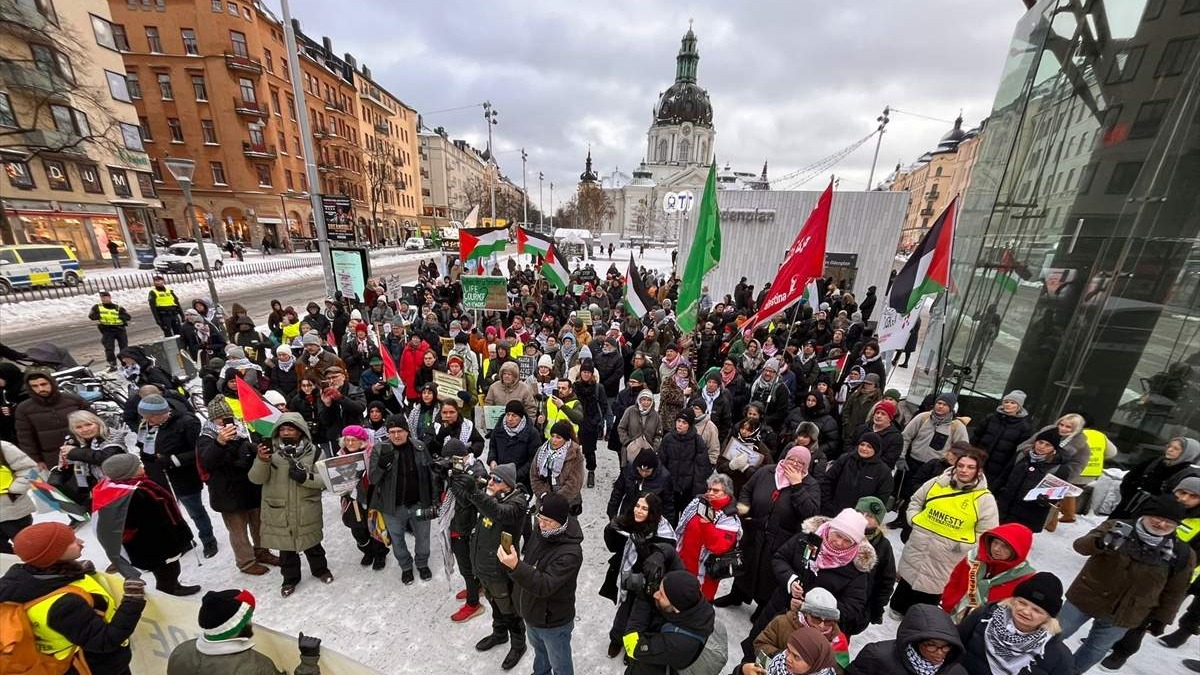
(391, 375)
(259, 415)
(554, 268)
(1009, 273)
(531, 242)
(812, 294)
(481, 242)
(53, 499)
(637, 298)
(928, 269)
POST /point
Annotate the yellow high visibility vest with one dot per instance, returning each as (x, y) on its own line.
(163, 298)
(1188, 529)
(950, 513)
(553, 414)
(50, 641)
(6, 479)
(109, 316)
(517, 350)
(236, 406)
(1098, 443)
(290, 333)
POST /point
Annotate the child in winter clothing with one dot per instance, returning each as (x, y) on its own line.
(993, 570)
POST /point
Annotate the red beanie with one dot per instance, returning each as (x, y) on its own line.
(888, 407)
(43, 544)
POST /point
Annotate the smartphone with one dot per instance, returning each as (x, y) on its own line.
(762, 660)
(506, 542)
(226, 421)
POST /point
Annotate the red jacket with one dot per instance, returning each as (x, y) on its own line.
(410, 363)
(1020, 539)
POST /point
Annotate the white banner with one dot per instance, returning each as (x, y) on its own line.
(894, 328)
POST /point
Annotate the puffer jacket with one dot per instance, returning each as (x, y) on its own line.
(292, 518)
(630, 485)
(500, 393)
(850, 478)
(928, 558)
(517, 449)
(22, 466)
(1000, 434)
(1053, 659)
(41, 423)
(545, 577)
(228, 468)
(893, 442)
(505, 513)
(920, 623)
(830, 441)
(685, 457)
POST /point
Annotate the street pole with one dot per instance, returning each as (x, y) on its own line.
(524, 191)
(186, 186)
(310, 154)
(883, 121)
(552, 208)
(541, 202)
(489, 114)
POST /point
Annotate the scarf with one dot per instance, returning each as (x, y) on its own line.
(709, 399)
(778, 666)
(1147, 537)
(672, 364)
(681, 381)
(727, 378)
(827, 557)
(513, 431)
(566, 353)
(770, 350)
(781, 480)
(549, 462)
(1009, 651)
(919, 663)
(550, 534)
(285, 366)
(762, 390)
(202, 330)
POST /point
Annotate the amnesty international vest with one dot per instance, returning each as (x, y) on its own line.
(50, 641)
(164, 298)
(950, 513)
(110, 316)
(6, 479)
(1097, 443)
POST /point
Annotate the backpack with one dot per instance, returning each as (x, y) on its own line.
(19, 654)
(714, 655)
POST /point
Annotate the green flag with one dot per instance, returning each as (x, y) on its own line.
(703, 256)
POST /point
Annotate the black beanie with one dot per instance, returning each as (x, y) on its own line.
(682, 589)
(394, 421)
(1042, 589)
(871, 438)
(1164, 506)
(225, 614)
(646, 459)
(687, 416)
(515, 407)
(555, 507)
(564, 429)
(1050, 435)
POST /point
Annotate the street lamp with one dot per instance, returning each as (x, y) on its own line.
(524, 191)
(490, 114)
(541, 204)
(181, 170)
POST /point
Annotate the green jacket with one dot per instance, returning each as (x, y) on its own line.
(230, 657)
(291, 511)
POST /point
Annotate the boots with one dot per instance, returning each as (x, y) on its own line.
(380, 561)
(498, 637)
(368, 558)
(1067, 510)
(263, 556)
(591, 479)
(1176, 639)
(166, 580)
(517, 649)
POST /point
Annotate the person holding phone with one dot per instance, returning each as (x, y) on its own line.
(400, 470)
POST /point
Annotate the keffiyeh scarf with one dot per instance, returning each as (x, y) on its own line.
(549, 462)
(918, 662)
(1009, 650)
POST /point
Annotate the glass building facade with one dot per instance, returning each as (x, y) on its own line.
(1076, 273)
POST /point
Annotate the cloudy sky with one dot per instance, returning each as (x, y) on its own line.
(790, 82)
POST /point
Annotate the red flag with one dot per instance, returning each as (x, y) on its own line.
(805, 261)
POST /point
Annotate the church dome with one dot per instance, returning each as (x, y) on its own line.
(950, 141)
(684, 101)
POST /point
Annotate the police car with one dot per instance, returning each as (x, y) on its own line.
(27, 266)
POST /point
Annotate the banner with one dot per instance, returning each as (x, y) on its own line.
(168, 621)
(339, 218)
(805, 261)
(894, 328)
(349, 275)
(485, 292)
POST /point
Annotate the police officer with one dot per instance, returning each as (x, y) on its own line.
(165, 307)
(112, 320)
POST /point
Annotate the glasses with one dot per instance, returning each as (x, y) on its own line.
(714, 491)
(817, 621)
(495, 479)
(935, 646)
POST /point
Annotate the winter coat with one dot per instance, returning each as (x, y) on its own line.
(920, 623)
(1128, 582)
(593, 405)
(518, 449)
(850, 478)
(1074, 450)
(504, 513)
(660, 652)
(929, 558)
(893, 442)
(410, 363)
(775, 516)
(629, 485)
(500, 393)
(925, 440)
(286, 382)
(995, 579)
(609, 369)
(228, 468)
(104, 643)
(777, 404)
(1021, 476)
(324, 360)
(463, 429)
(685, 456)
(671, 401)
(16, 504)
(41, 423)
(721, 413)
(235, 656)
(291, 512)
(545, 577)
(741, 477)
(883, 576)
(850, 583)
(343, 410)
(384, 473)
(147, 524)
(830, 440)
(568, 483)
(1148, 480)
(634, 425)
(1054, 659)
(175, 454)
(1000, 434)
(857, 410)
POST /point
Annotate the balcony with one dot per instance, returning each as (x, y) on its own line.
(372, 96)
(932, 195)
(383, 129)
(335, 106)
(249, 108)
(322, 132)
(242, 62)
(258, 150)
(927, 211)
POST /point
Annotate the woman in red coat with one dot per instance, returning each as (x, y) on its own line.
(991, 572)
(708, 526)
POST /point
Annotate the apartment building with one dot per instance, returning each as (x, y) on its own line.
(449, 170)
(934, 180)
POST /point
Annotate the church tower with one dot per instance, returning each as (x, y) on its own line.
(681, 132)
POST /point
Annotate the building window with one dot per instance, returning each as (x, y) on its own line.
(218, 173)
(247, 89)
(264, 175)
(256, 136)
(1123, 177)
(164, 87)
(296, 144)
(109, 34)
(132, 135)
(118, 88)
(662, 151)
(268, 61)
(1149, 116)
(282, 143)
(208, 131)
(233, 8)
(1175, 57)
(69, 120)
(685, 151)
(291, 107)
(146, 184)
(153, 43)
(144, 126)
(287, 179)
(156, 170)
(56, 175)
(52, 62)
(133, 84)
(120, 182)
(303, 182)
(1126, 65)
(8, 118)
(218, 6)
(89, 178)
(275, 102)
(19, 175)
(199, 88)
(190, 46)
(238, 40)
(46, 9)
(176, 129)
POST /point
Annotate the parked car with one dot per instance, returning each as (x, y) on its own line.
(185, 257)
(414, 244)
(27, 266)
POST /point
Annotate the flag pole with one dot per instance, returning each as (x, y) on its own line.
(937, 381)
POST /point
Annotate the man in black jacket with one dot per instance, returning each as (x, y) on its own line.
(404, 494)
(593, 403)
(644, 474)
(515, 440)
(501, 506)
(544, 583)
(341, 405)
(651, 646)
(226, 455)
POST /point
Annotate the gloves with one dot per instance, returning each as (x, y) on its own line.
(309, 645)
(630, 641)
(463, 395)
(1155, 627)
(298, 474)
(135, 588)
(653, 567)
(739, 462)
(901, 465)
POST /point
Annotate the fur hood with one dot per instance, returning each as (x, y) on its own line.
(866, 559)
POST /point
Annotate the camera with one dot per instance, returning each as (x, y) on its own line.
(643, 583)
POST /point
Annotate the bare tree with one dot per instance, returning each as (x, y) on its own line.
(593, 207)
(510, 204)
(382, 177)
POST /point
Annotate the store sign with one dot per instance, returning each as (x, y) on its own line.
(56, 175)
(120, 181)
(846, 261)
(89, 175)
(18, 175)
(748, 215)
(484, 292)
(678, 202)
(146, 185)
(339, 218)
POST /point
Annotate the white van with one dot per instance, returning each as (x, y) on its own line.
(414, 244)
(185, 257)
